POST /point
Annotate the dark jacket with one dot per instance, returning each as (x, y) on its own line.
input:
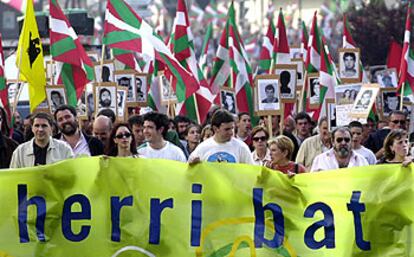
(95, 145)
(375, 140)
(7, 147)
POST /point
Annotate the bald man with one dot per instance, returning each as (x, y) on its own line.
(101, 129)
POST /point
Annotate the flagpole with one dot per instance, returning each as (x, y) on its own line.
(402, 96)
(17, 95)
(102, 58)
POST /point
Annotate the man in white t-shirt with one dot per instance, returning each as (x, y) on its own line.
(356, 133)
(223, 146)
(156, 147)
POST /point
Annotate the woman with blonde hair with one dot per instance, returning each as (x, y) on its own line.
(281, 149)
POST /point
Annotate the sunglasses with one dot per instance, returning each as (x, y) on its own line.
(402, 122)
(259, 139)
(125, 135)
(340, 139)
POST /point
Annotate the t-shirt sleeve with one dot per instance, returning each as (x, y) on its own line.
(181, 155)
(246, 156)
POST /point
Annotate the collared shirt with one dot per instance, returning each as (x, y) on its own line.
(24, 156)
(328, 161)
(261, 162)
(310, 148)
(81, 148)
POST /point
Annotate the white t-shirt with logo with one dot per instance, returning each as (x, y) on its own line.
(168, 152)
(233, 151)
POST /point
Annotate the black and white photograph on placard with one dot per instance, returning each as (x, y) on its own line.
(315, 89)
(287, 80)
(390, 102)
(121, 102)
(168, 95)
(349, 64)
(268, 94)
(56, 96)
(126, 79)
(141, 81)
(387, 78)
(106, 97)
(228, 100)
(106, 73)
(374, 70)
(365, 100)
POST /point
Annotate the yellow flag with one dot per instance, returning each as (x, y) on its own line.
(30, 58)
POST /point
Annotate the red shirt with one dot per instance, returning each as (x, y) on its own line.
(289, 168)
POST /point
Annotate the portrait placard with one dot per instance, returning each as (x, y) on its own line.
(296, 52)
(365, 100)
(94, 56)
(373, 70)
(105, 74)
(390, 101)
(331, 114)
(228, 100)
(105, 96)
(56, 96)
(287, 81)
(349, 59)
(267, 95)
(345, 96)
(126, 79)
(314, 89)
(168, 95)
(81, 107)
(141, 87)
(13, 89)
(387, 78)
(121, 93)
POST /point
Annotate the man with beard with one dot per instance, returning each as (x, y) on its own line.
(341, 155)
(105, 98)
(81, 144)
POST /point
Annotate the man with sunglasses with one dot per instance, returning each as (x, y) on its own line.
(341, 155)
(375, 141)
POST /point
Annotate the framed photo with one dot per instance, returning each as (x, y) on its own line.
(296, 52)
(94, 56)
(314, 89)
(373, 70)
(349, 65)
(105, 97)
(299, 72)
(13, 89)
(81, 107)
(51, 71)
(365, 100)
(407, 108)
(105, 73)
(90, 100)
(390, 102)
(141, 87)
(126, 79)
(267, 95)
(56, 96)
(121, 94)
(331, 114)
(287, 81)
(387, 78)
(228, 100)
(168, 95)
(347, 93)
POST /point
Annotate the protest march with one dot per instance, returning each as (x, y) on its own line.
(128, 138)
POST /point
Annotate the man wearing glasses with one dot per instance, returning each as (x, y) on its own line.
(375, 141)
(341, 155)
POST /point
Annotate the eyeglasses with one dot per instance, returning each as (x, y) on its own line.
(402, 122)
(125, 135)
(259, 139)
(340, 139)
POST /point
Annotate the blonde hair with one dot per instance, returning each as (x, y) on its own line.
(284, 144)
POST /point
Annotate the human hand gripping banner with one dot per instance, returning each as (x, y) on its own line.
(119, 207)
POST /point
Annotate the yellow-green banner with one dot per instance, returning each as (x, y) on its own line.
(139, 207)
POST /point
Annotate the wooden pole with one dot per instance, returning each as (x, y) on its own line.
(102, 59)
(269, 125)
(402, 96)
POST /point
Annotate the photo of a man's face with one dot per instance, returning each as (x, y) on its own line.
(268, 95)
(387, 78)
(287, 80)
(106, 73)
(348, 64)
(228, 101)
(126, 81)
(391, 102)
(140, 83)
(105, 98)
(55, 97)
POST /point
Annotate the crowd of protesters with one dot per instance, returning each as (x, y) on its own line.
(302, 146)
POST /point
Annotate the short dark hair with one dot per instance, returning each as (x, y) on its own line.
(303, 115)
(108, 113)
(269, 87)
(240, 114)
(398, 112)
(350, 54)
(341, 129)
(221, 116)
(103, 90)
(180, 118)
(355, 124)
(64, 107)
(160, 120)
(43, 115)
(135, 120)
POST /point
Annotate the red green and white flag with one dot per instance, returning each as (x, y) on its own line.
(126, 30)
(304, 43)
(205, 66)
(267, 47)
(242, 79)
(348, 42)
(182, 46)
(65, 47)
(4, 96)
(281, 49)
(406, 81)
